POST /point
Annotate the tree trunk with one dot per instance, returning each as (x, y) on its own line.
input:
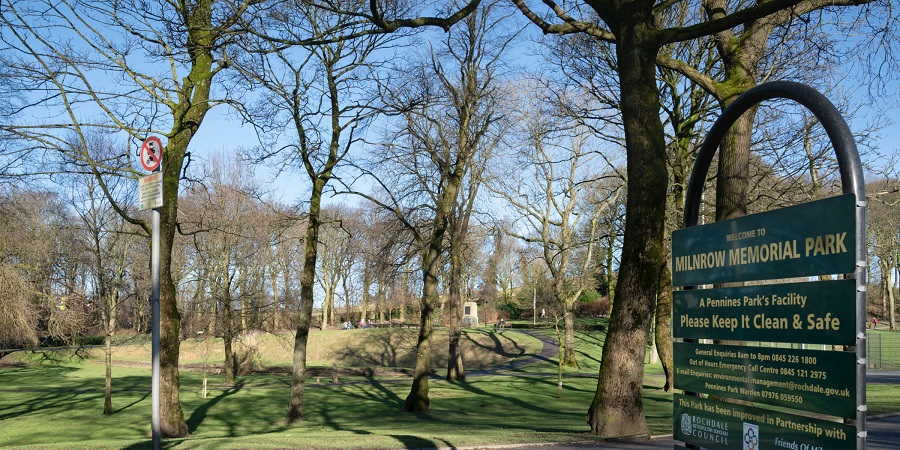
(107, 391)
(243, 328)
(610, 278)
(455, 369)
(892, 299)
(617, 409)
(417, 400)
(569, 357)
(675, 204)
(367, 284)
(381, 301)
(732, 181)
(228, 337)
(304, 321)
(663, 328)
(172, 422)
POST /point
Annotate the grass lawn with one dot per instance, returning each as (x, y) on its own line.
(57, 403)
(58, 406)
(884, 349)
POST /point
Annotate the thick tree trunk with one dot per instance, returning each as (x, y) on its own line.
(617, 409)
(455, 369)
(304, 321)
(172, 422)
(417, 400)
(732, 181)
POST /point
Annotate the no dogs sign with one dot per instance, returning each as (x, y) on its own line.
(151, 153)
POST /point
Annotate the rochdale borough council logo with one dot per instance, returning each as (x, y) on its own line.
(750, 437)
(686, 427)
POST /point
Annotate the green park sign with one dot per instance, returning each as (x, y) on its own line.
(815, 238)
(819, 312)
(809, 380)
(712, 424)
(754, 389)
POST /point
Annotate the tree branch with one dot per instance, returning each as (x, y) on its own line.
(679, 34)
(570, 26)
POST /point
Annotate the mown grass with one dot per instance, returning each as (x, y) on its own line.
(58, 406)
(884, 349)
(57, 403)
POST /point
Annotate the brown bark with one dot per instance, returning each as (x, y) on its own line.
(733, 179)
(663, 325)
(304, 321)
(107, 389)
(172, 422)
(228, 335)
(892, 299)
(367, 284)
(617, 409)
(569, 357)
(311, 244)
(455, 369)
(417, 400)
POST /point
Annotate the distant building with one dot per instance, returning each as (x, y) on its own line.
(470, 314)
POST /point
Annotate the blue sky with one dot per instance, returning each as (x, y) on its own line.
(222, 132)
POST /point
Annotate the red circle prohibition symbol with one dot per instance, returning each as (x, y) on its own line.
(151, 153)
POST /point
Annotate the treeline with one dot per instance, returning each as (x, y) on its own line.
(446, 153)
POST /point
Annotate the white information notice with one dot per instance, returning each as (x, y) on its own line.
(151, 191)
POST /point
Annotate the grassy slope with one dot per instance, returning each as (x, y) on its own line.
(384, 347)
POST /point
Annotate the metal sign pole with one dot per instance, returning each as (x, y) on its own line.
(154, 301)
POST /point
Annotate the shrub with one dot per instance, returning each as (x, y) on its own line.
(595, 308)
(512, 310)
(588, 295)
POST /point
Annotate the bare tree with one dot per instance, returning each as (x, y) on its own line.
(550, 207)
(444, 124)
(107, 240)
(323, 95)
(138, 68)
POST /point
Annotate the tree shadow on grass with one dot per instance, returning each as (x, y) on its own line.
(519, 349)
(407, 440)
(387, 347)
(143, 397)
(498, 346)
(515, 401)
(588, 338)
(69, 394)
(202, 411)
(588, 356)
